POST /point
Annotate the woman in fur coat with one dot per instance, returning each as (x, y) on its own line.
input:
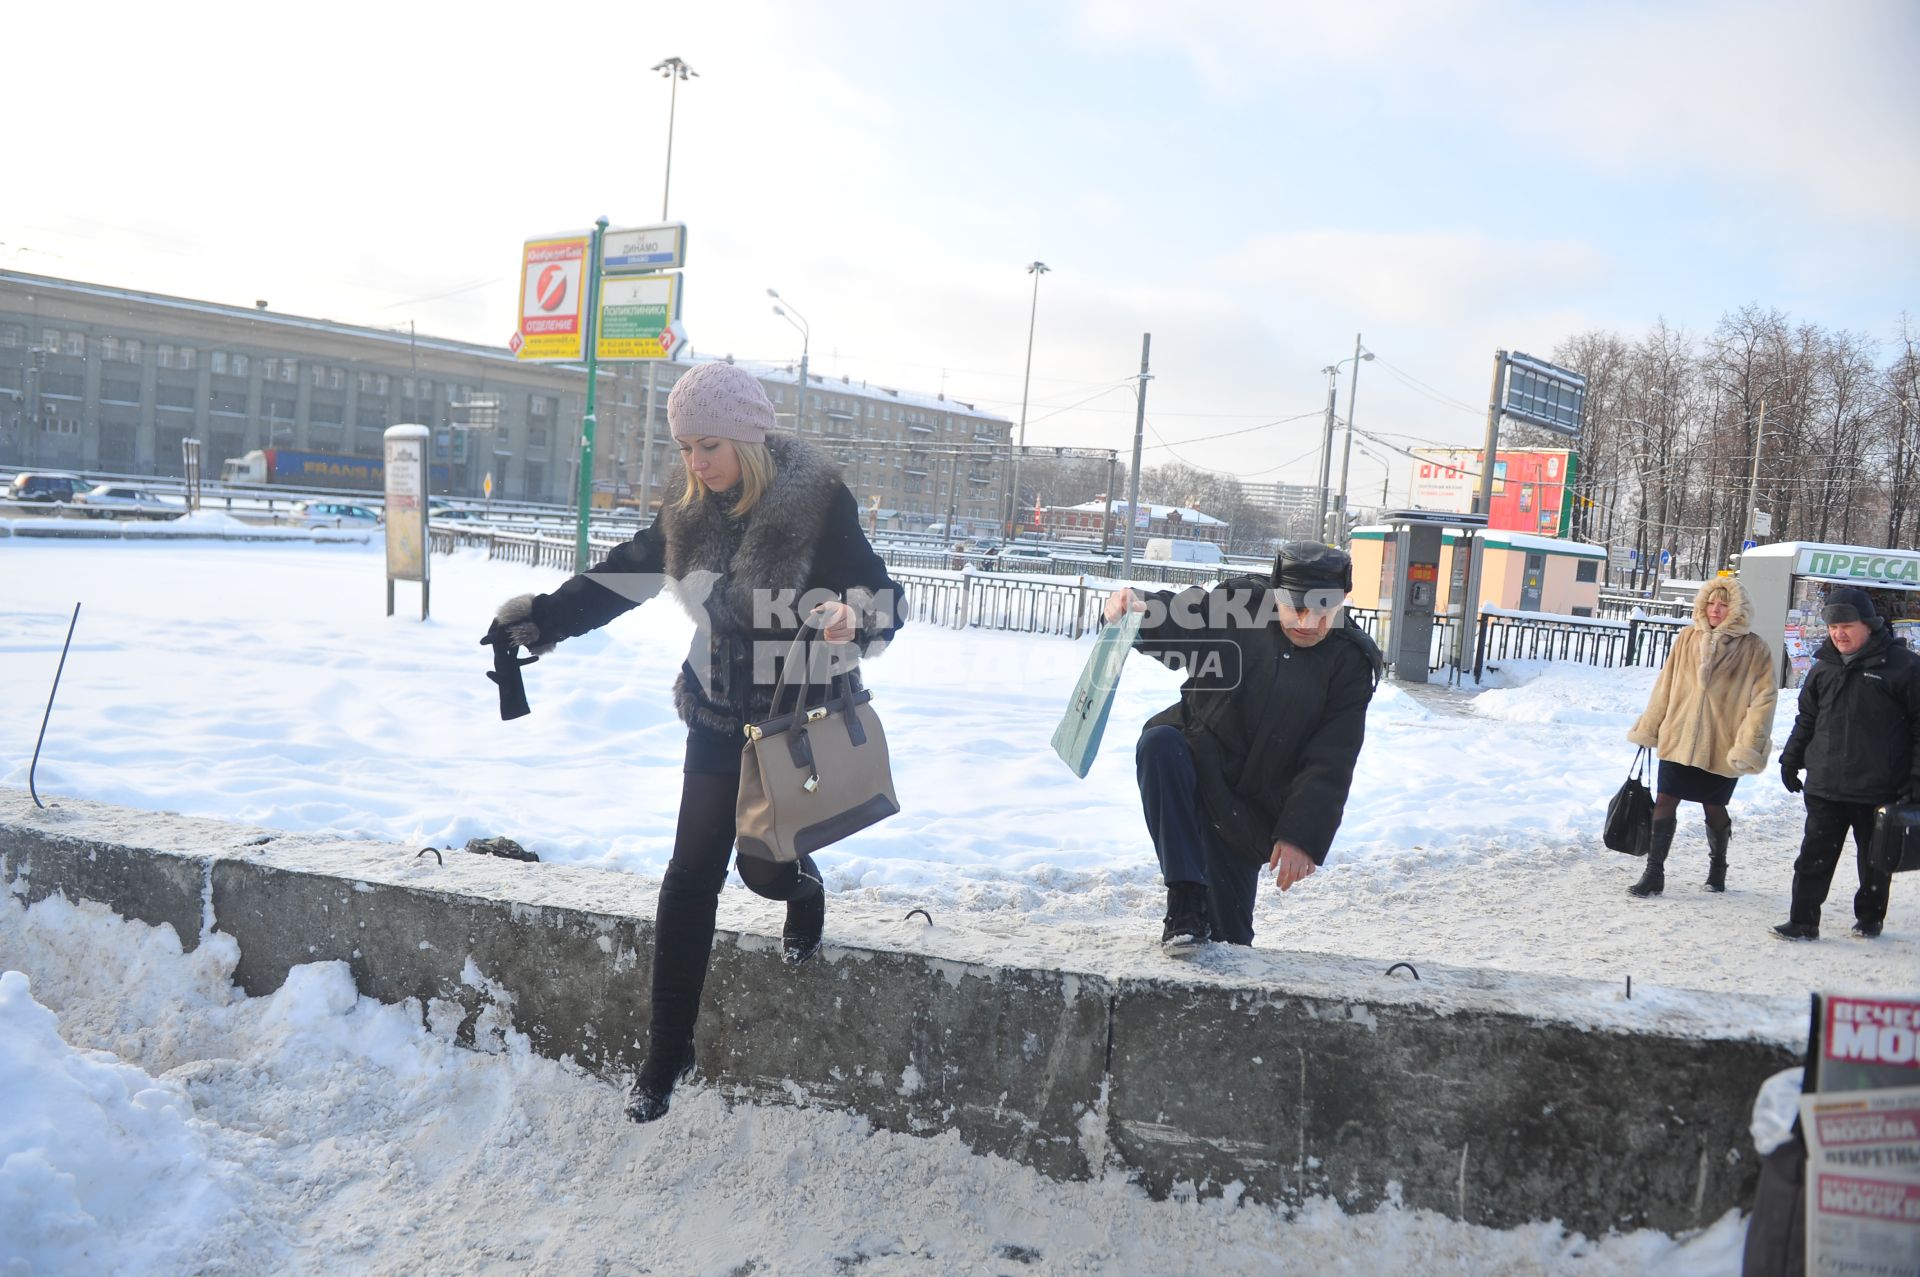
(1711, 722)
(764, 539)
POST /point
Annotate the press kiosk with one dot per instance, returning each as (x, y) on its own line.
(1788, 583)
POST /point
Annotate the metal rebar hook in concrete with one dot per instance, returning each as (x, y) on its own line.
(35, 765)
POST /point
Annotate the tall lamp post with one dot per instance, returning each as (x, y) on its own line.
(786, 311)
(1360, 354)
(674, 71)
(1036, 269)
(1326, 453)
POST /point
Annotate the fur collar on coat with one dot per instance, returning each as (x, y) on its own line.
(717, 565)
(716, 562)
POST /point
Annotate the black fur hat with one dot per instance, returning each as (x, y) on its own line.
(1308, 565)
(1850, 604)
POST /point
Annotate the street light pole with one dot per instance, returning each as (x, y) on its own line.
(1326, 451)
(1036, 269)
(1353, 393)
(1753, 480)
(1139, 435)
(675, 71)
(786, 311)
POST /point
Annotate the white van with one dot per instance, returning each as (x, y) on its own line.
(1174, 550)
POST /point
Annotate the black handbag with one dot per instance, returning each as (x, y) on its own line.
(1896, 839)
(1629, 825)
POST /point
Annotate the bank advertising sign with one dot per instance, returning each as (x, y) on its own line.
(553, 298)
(1894, 567)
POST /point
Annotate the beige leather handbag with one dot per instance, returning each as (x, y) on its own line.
(811, 777)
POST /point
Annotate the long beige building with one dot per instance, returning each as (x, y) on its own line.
(916, 460)
(112, 380)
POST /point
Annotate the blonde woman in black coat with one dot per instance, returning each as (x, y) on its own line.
(764, 539)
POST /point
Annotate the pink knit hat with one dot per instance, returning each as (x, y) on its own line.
(721, 401)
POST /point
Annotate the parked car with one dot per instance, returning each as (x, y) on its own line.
(119, 501)
(334, 514)
(439, 508)
(45, 485)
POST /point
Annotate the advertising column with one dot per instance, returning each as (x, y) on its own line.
(407, 549)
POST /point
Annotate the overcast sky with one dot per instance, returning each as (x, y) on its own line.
(1253, 183)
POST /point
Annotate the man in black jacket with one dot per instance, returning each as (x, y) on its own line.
(1858, 738)
(1252, 766)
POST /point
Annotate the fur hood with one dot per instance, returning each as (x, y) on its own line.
(1739, 606)
(1712, 707)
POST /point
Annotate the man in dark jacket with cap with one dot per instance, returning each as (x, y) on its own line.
(1858, 739)
(1252, 766)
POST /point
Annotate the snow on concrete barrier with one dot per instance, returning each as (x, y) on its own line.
(1495, 1098)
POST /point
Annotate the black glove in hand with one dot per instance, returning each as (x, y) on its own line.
(513, 626)
(1790, 777)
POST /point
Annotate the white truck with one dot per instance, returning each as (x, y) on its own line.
(1178, 550)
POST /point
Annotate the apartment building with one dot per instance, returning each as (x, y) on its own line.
(110, 379)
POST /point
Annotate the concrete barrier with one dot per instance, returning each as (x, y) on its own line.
(1284, 1074)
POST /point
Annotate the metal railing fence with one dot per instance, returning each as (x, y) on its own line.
(1070, 607)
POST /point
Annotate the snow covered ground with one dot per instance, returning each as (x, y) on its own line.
(314, 1132)
(265, 684)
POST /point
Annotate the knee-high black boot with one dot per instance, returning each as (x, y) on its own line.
(1717, 855)
(682, 945)
(1654, 880)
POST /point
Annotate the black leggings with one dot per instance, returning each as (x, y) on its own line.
(690, 896)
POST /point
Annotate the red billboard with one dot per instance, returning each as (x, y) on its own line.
(1531, 490)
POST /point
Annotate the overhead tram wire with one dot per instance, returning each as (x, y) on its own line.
(1438, 396)
(1228, 434)
(452, 292)
(1231, 474)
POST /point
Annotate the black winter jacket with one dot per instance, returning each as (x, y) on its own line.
(1858, 730)
(747, 582)
(1275, 729)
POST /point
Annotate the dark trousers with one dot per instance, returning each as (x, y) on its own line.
(683, 921)
(1188, 849)
(1828, 824)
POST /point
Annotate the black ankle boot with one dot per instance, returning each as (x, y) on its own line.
(1654, 880)
(1717, 856)
(665, 1066)
(806, 916)
(1185, 927)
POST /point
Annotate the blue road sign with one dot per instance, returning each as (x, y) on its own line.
(1748, 544)
(1666, 556)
